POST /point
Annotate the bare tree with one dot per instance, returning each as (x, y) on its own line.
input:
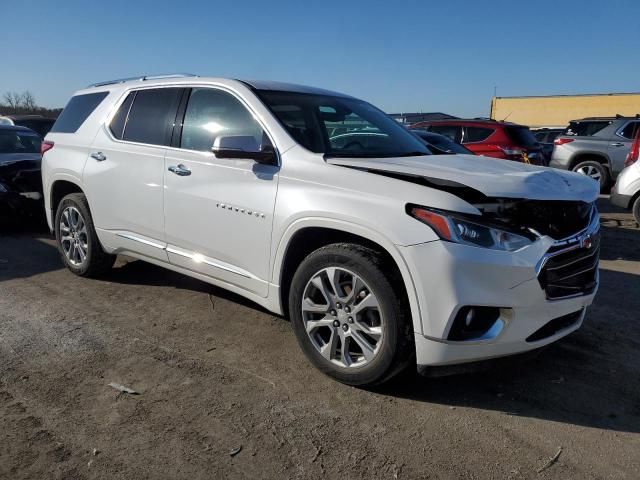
(28, 101)
(12, 99)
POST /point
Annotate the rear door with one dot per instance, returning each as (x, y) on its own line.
(620, 144)
(218, 212)
(124, 175)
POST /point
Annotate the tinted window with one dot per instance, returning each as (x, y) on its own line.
(152, 116)
(541, 136)
(212, 113)
(120, 119)
(12, 141)
(629, 131)
(341, 126)
(521, 136)
(452, 131)
(586, 129)
(477, 134)
(77, 111)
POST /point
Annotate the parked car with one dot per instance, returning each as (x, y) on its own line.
(20, 177)
(596, 147)
(37, 123)
(490, 138)
(382, 255)
(545, 137)
(626, 191)
(439, 144)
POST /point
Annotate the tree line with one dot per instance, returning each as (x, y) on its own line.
(14, 103)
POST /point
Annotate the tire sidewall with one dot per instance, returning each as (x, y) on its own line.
(635, 209)
(378, 369)
(72, 201)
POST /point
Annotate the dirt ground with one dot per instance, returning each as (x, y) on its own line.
(216, 374)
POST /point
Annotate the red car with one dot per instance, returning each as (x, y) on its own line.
(490, 138)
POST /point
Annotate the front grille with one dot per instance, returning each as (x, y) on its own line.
(573, 272)
(554, 326)
(558, 219)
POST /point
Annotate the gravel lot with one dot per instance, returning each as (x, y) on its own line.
(216, 373)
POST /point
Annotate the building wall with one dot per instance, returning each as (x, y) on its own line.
(556, 111)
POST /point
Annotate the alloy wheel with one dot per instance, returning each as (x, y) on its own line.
(342, 317)
(73, 236)
(590, 171)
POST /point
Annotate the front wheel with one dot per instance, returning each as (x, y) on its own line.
(350, 316)
(77, 240)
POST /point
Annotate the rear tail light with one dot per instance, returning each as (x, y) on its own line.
(562, 141)
(634, 153)
(45, 146)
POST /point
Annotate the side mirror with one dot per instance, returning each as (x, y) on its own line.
(245, 147)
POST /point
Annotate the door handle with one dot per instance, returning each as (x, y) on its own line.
(617, 144)
(99, 156)
(180, 170)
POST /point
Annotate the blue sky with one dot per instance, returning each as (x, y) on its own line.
(402, 56)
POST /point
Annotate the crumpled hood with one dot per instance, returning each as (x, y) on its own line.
(492, 177)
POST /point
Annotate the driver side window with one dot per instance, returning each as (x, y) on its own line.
(212, 113)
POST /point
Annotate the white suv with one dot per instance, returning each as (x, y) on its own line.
(319, 206)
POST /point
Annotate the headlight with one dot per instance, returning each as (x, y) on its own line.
(459, 230)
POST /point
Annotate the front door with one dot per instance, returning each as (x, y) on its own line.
(219, 212)
(620, 145)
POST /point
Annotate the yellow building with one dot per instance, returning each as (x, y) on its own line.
(557, 110)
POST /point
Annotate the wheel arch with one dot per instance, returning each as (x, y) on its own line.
(60, 188)
(599, 157)
(307, 235)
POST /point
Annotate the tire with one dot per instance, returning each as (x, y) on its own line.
(372, 320)
(595, 170)
(635, 209)
(76, 238)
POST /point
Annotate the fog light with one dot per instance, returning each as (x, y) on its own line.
(475, 323)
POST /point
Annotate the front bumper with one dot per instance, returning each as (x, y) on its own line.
(620, 200)
(450, 276)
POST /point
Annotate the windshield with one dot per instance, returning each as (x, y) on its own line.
(12, 141)
(341, 127)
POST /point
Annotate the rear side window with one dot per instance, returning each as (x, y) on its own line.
(454, 132)
(585, 129)
(77, 111)
(120, 119)
(521, 136)
(629, 131)
(477, 134)
(152, 116)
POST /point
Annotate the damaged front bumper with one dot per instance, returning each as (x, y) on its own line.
(536, 301)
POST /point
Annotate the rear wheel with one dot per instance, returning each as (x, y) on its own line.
(594, 170)
(77, 240)
(349, 316)
(636, 210)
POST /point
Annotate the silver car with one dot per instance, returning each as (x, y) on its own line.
(596, 147)
(626, 191)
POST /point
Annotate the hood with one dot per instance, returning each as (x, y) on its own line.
(491, 177)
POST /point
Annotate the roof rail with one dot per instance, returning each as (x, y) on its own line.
(142, 79)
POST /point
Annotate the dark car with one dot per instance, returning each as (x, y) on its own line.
(20, 177)
(439, 144)
(546, 137)
(491, 138)
(37, 123)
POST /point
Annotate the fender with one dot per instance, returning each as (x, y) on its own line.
(48, 190)
(355, 229)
